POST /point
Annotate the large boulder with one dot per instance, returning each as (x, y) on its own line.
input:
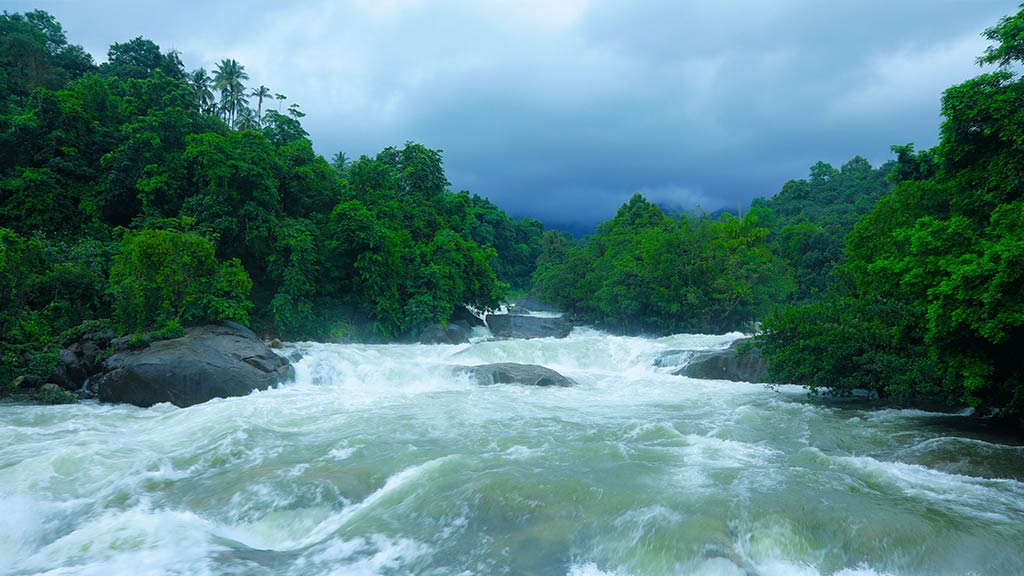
(532, 302)
(675, 358)
(80, 361)
(730, 364)
(518, 326)
(454, 333)
(511, 373)
(462, 315)
(212, 361)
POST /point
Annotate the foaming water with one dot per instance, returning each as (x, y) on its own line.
(379, 460)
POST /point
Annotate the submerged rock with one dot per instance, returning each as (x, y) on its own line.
(674, 358)
(729, 364)
(213, 361)
(511, 373)
(518, 326)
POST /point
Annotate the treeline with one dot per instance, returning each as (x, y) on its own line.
(648, 272)
(139, 197)
(930, 300)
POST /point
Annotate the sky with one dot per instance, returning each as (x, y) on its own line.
(562, 109)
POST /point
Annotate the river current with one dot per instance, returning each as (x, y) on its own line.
(377, 460)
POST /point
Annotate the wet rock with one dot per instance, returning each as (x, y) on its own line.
(276, 344)
(27, 381)
(78, 362)
(511, 373)
(453, 333)
(463, 316)
(51, 393)
(532, 302)
(730, 364)
(674, 358)
(212, 361)
(518, 326)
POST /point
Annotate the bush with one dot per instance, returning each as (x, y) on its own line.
(166, 277)
(53, 394)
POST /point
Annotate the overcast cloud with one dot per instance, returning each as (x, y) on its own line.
(562, 109)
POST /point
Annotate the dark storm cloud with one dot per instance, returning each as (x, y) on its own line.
(561, 110)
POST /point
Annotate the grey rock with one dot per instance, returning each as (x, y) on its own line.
(78, 362)
(27, 381)
(511, 373)
(462, 315)
(729, 364)
(453, 333)
(212, 361)
(532, 302)
(674, 358)
(517, 326)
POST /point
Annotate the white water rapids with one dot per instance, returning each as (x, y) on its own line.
(377, 460)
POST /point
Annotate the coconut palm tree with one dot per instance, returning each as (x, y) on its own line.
(246, 119)
(228, 79)
(202, 85)
(260, 93)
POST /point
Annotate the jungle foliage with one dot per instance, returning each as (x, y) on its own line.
(141, 195)
(929, 301)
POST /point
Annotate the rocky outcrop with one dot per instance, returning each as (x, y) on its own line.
(729, 364)
(451, 334)
(81, 361)
(675, 358)
(213, 361)
(518, 326)
(463, 316)
(457, 331)
(532, 302)
(511, 373)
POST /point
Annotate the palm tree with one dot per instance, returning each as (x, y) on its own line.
(202, 85)
(228, 79)
(246, 119)
(260, 93)
(280, 98)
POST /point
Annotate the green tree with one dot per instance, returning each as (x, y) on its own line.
(260, 93)
(202, 86)
(166, 277)
(229, 78)
(134, 59)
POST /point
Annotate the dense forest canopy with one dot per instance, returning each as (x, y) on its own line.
(930, 299)
(648, 272)
(140, 196)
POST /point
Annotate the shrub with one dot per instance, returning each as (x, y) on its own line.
(166, 277)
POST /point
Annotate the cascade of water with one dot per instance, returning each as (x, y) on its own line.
(381, 460)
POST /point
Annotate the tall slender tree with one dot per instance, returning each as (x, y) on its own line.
(280, 99)
(202, 85)
(228, 78)
(260, 93)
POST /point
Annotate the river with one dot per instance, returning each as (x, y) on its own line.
(377, 460)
